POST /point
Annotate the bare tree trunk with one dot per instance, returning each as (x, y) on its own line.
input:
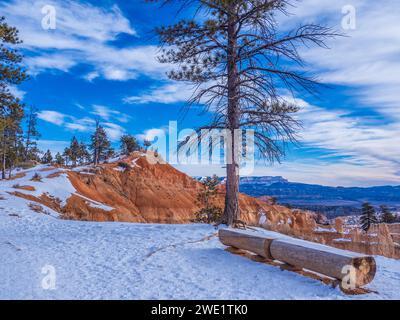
(3, 164)
(231, 211)
(28, 138)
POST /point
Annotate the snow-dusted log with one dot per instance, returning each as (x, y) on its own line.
(326, 260)
(241, 240)
(329, 261)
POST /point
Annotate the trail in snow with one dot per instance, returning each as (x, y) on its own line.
(144, 261)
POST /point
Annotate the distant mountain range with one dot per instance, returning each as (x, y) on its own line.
(332, 201)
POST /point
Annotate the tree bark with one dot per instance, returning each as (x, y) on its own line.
(251, 242)
(3, 165)
(231, 210)
(332, 262)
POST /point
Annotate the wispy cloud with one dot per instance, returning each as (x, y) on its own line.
(85, 124)
(167, 94)
(53, 117)
(107, 113)
(150, 134)
(367, 58)
(84, 34)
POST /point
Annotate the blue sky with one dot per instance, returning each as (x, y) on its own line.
(99, 63)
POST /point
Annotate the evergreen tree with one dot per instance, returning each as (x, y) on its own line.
(31, 135)
(128, 144)
(100, 145)
(84, 155)
(66, 155)
(11, 109)
(209, 212)
(59, 159)
(238, 60)
(368, 216)
(74, 151)
(386, 215)
(47, 157)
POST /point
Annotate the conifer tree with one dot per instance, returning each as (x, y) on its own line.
(239, 62)
(100, 145)
(368, 216)
(74, 151)
(209, 212)
(47, 157)
(59, 159)
(386, 215)
(66, 155)
(84, 155)
(128, 144)
(31, 135)
(11, 109)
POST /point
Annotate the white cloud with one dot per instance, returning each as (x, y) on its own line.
(107, 113)
(85, 124)
(151, 134)
(16, 92)
(91, 76)
(53, 145)
(54, 117)
(83, 34)
(114, 131)
(169, 93)
(367, 59)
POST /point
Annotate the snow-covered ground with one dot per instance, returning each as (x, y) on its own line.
(44, 257)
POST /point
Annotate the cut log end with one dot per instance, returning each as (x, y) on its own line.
(365, 270)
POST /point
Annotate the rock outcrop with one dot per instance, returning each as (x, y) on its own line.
(143, 188)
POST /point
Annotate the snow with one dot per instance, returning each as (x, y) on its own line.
(134, 164)
(342, 240)
(95, 204)
(58, 187)
(319, 229)
(110, 260)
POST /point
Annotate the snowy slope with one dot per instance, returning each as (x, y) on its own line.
(95, 260)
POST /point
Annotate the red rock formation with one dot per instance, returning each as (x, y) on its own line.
(153, 191)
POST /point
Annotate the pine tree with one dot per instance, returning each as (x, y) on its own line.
(66, 155)
(47, 157)
(84, 155)
(209, 212)
(31, 135)
(59, 159)
(240, 63)
(386, 215)
(100, 145)
(11, 109)
(128, 144)
(74, 151)
(368, 216)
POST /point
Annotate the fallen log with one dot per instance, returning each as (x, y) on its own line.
(309, 274)
(325, 260)
(300, 254)
(250, 242)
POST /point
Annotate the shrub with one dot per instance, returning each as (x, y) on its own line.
(211, 214)
(36, 177)
(123, 165)
(37, 208)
